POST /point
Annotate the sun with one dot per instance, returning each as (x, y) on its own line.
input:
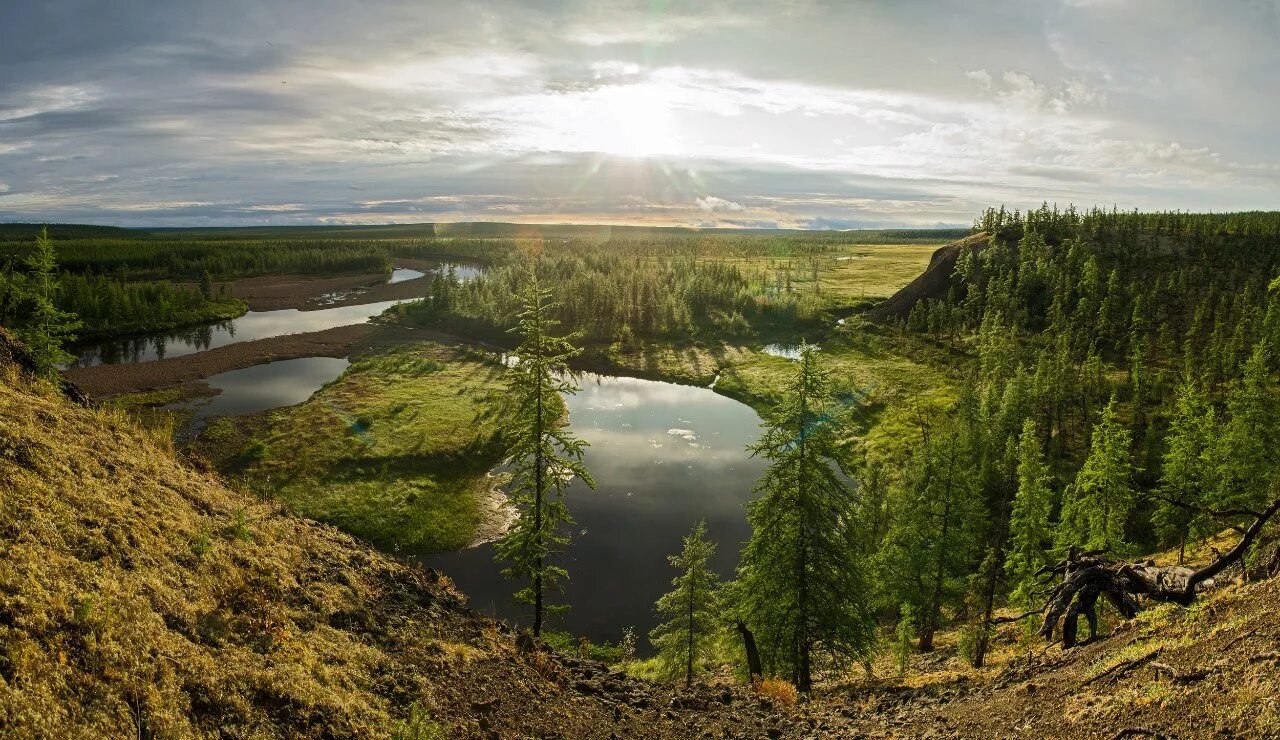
(640, 122)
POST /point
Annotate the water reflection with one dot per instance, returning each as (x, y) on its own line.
(252, 325)
(664, 456)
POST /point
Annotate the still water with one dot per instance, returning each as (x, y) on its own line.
(252, 325)
(261, 387)
(663, 456)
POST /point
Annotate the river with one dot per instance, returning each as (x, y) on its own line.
(252, 325)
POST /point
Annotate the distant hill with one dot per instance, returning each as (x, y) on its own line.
(17, 231)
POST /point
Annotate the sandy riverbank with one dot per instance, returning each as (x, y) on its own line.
(306, 292)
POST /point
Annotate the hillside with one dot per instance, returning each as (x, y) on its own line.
(142, 597)
(934, 282)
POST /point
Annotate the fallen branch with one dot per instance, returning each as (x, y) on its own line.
(1178, 677)
(1088, 576)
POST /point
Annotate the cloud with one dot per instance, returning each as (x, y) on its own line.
(248, 112)
(717, 205)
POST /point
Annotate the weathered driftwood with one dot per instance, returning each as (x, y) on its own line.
(1088, 576)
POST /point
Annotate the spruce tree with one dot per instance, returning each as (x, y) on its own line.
(1099, 500)
(46, 328)
(801, 583)
(1030, 532)
(542, 454)
(685, 637)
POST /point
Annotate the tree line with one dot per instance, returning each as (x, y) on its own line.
(615, 298)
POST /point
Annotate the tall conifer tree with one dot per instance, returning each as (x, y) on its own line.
(1099, 500)
(689, 610)
(46, 328)
(543, 455)
(801, 578)
(1030, 532)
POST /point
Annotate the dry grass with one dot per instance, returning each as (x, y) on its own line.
(777, 690)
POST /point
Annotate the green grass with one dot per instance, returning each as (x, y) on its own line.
(395, 451)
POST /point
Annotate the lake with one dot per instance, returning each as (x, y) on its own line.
(261, 387)
(663, 456)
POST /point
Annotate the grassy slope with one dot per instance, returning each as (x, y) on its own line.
(140, 597)
(395, 451)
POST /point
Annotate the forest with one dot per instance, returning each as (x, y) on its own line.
(1118, 396)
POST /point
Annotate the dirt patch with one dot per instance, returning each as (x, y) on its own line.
(342, 341)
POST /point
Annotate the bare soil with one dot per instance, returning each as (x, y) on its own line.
(932, 283)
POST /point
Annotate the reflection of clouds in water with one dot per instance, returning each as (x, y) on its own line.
(608, 445)
(605, 392)
(663, 456)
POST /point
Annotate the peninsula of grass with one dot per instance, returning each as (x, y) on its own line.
(396, 451)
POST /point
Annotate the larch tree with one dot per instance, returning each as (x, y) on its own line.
(542, 454)
(1243, 456)
(1098, 502)
(801, 584)
(1186, 477)
(938, 521)
(691, 619)
(1030, 533)
(46, 329)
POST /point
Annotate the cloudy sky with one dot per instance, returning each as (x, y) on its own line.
(792, 113)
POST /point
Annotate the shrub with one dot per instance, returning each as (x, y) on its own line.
(778, 690)
(418, 726)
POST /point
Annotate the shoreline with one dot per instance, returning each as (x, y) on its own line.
(104, 381)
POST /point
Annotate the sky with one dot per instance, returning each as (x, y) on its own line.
(818, 114)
